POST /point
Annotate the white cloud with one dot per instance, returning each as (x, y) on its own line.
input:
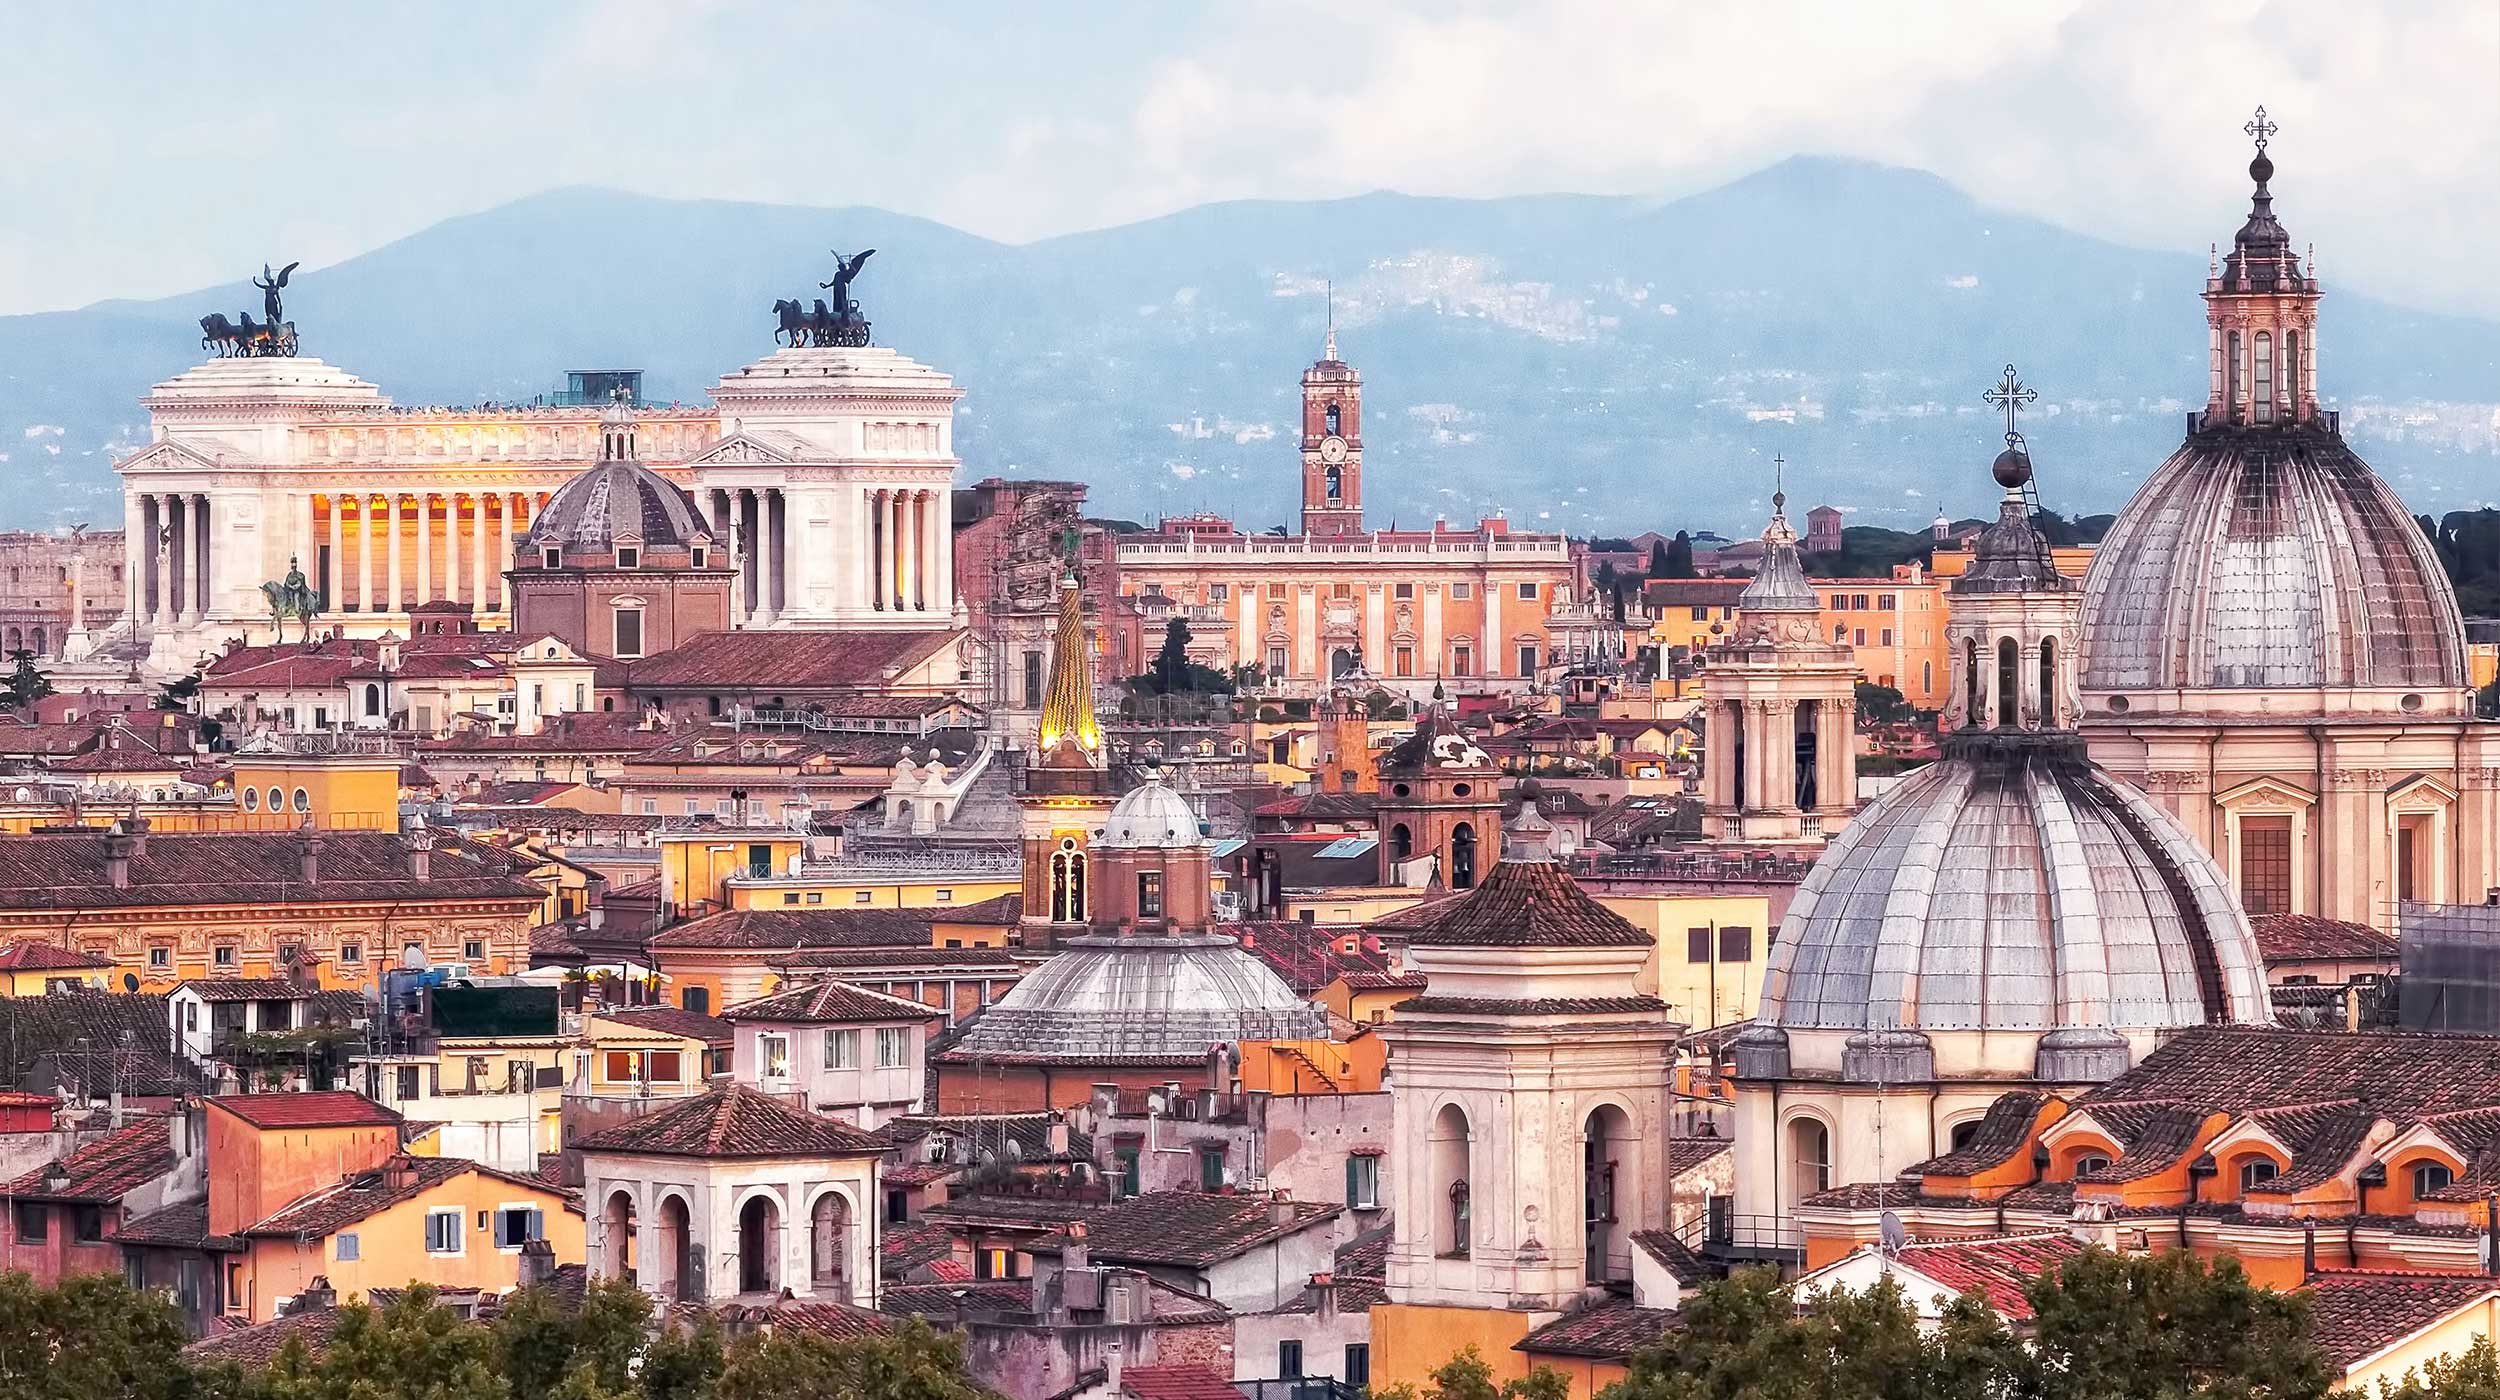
(1962, 283)
(42, 429)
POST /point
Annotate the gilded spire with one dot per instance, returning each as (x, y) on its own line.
(1068, 703)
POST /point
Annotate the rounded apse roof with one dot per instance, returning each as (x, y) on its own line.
(2268, 558)
(1151, 816)
(1164, 999)
(2013, 885)
(618, 500)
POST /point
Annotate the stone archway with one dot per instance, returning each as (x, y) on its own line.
(829, 1245)
(616, 1232)
(759, 1245)
(1610, 1193)
(672, 1254)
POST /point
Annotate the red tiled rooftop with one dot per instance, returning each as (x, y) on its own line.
(1997, 1268)
(734, 1121)
(327, 1108)
(1519, 903)
(2356, 1313)
(103, 1170)
(44, 957)
(2308, 938)
(1180, 1381)
(828, 1002)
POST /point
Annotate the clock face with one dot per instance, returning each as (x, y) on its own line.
(1332, 449)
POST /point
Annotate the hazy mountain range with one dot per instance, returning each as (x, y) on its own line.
(1600, 364)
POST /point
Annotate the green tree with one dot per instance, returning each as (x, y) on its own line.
(1173, 673)
(549, 1352)
(911, 1363)
(1884, 704)
(1745, 1337)
(178, 694)
(1680, 557)
(1467, 1376)
(25, 685)
(92, 1336)
(2472, 1376)
(684, 1363)
(1658, 559)
(2129, 1327)
(413, 1348)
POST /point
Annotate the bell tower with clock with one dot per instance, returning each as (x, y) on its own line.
(1332, 445)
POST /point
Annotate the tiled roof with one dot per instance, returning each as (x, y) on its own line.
(2308, 938)
(358, 1197)
(1307, 956)
(1675, 1256)
(807, 663)
(256, 1346)
(830, 1002)
(733, 1121)
(858, 960)
(2323, 1139)
(44, 957)
(945, 1300)
(835, 1322)
(986, 1209)
(247, 989)
(2154, 1141)
(68, 871)
(673, 1020)
(1684, 1154)
(1178, 1381)
(1998, 1268)
(1518, 904)
(2356, 1313)
(2002, 1132)
(1027, 1134)
(1189, 1229)
(2239, 1068)
(103, 1170)
(801, 928)
(1363, 979)
(327, 1108)
(1429, 1005)
(998, 911)
(905, 1247)
(1612, 1330)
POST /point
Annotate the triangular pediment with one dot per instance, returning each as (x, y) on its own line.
(167, 457)
(2265, 792)
(743, 449)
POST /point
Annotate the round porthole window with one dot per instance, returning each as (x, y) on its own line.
(1462, 789)
(2410, 704)
(2118, 704)
(277, 800)
(303, 800)
(1398, 790)
(251, 799)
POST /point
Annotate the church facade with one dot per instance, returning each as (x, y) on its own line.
(1480, 609)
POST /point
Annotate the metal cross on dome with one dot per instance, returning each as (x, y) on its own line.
(2260, 128)
(2013, 396)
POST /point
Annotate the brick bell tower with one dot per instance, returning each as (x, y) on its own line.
(1332, 445)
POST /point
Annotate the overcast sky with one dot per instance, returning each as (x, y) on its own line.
(156, 148)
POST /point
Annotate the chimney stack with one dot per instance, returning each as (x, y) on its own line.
(1324, 1296)
(421, 854)
(1058, 1135)
(538, 1262)
(317, 1296)
(1111, 1370)
(1076, 1254)
(399, 1172)
(308, 844)
(118, 847)
(1280, 1207)
(138, 829)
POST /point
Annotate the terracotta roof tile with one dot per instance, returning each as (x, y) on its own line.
(256, 1346)
(1675, 1256)
(830, 1002)
(944, 1300)
(343, 1203)
(1363, 979)
(804, 662)
(2355, 1313)
(1178, 1381)
(905, 1247)
(733, 1121)
(44, 957)
(1189, 1229)
(2238, 1068)
(328, 1108)
(1611, 1330)
(68, 871)
(2003, 1131)
(1684, 1154)
(103, 1170)
(1997, 1268)
(247, 989)
(836, 1322)
(673, 1020)
(2305, 937)
(802, 928)
(1518, 904)
(2323, 1139)
(182, 1226)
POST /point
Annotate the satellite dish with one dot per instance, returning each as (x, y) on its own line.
(1894, 1235)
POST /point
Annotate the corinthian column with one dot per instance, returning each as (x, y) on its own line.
(452, 590)
(399, 580)
(425, 549)
(480, 601)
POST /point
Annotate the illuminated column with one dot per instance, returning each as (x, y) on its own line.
(501, 559)
(304, 547)
(480, 601)
(892, 584)
(134, 533)
(932, 552)
(871, 528)
(451, 547)
(333, 575)
(907, 550)
(768, 550)
(177, 551)
(425, 549)
(399, 580)
(206, 563)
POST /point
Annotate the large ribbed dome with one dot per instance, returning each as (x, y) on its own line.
(618, 500)
(2262, 559)
(1144, 999)
(2013, 885)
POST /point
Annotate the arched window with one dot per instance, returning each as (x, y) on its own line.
(2009, 680)
(828, 1231)
(1963, 1132)
(303, 800)
(251, 799)
(2291, 374)
(1067, 883)
(1451, 1149)
(2265, 377)
(373, 700)
(1809, 1158)
(2256, 1170)
(2089, 1163)
(759, 1246)
(1610, 1194)
(1401, 843)
(2231, 398)
(1334, 422)
(2048, 683)
(2429, 1177)
(1463, 856)
(1336, 484)
(1977, 704)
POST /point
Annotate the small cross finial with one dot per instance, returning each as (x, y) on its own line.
(1779, 483)
(2013, 396)
(2260, 129)
(1332, 320)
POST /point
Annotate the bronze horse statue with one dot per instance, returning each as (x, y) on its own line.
(794, 323)
(249, 338)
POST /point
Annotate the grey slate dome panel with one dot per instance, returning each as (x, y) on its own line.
(1166, 999)
(2013, 886)
(618, 500)
(2268, 558)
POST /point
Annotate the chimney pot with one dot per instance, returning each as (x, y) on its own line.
(118, 847)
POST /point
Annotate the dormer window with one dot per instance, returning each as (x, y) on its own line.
(628, 556)
(701, 554)
(551, 557)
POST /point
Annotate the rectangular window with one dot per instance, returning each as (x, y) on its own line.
(841, 1049)
(1150, 894)
(651, 806)
(2266, 864)
(628, 557)
(665, 1065)
(443, 1233)
(628, 632)
(1210, 1168)
(1405, 661)
(890, 1047)
(622, 1068)
(696, 999)
(1362, 1183)
(349, 1247)
(411, 1083)
(1358, 1365)
(815, 896)
(1702, 613)
(1527, 593)
(776, 1054)
(160, 956)
(1275, 662)
(351, 952)
(1735, 944)
(1219, 592)
(474, 950)
(1402, 591)
(1527, 659)
(862, 896)
(1886, 601)
(897, 1207)
(790, 897)
(1462, 661)
(225, 957)
(1887, 637)
(1697, 945)
(516, 1226)
(1131, 1174)
(1032, 680)
(1858, 638)
(1289, 1360)
(1275, 590)
(1857, 602)
(1462, 590)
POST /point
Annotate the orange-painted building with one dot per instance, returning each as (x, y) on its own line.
(2288, 1150)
